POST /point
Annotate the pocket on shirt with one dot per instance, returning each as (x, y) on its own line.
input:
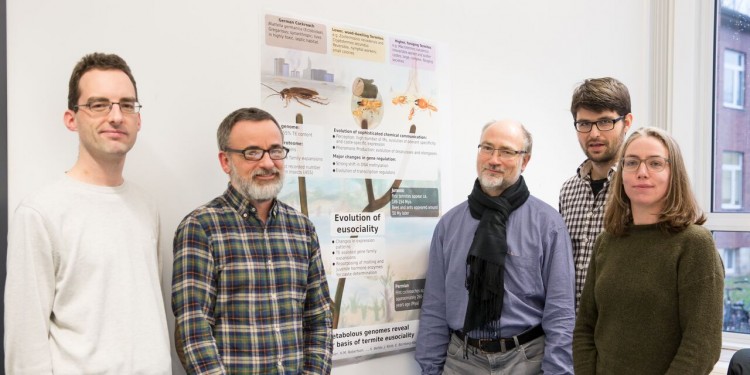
(523, 275)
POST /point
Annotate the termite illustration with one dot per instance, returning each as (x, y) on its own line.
(298, 94)
(401, 99)
(366, 105)
(369, 105)
(425, 104)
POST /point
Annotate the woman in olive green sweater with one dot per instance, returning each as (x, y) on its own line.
(653, 298)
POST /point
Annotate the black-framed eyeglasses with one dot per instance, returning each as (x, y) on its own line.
(653, 163)
(255, 153)
(603, 124)
(105, 106)
(505, 153)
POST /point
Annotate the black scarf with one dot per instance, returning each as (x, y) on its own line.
(486, 261)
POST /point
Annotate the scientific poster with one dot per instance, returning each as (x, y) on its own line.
(360, 112)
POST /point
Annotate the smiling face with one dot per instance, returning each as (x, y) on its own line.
(645, 188)
(262, 180)
(104, 136)
(602, 146)
(497, 174)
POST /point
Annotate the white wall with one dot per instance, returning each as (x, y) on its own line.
(195, 61)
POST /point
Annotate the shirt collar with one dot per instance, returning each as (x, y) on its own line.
(584, 170)
(241, 204)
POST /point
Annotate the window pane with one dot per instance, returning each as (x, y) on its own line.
(731, 180)
(734, 248)
(732, 119)
(728, 86)
(734, 69)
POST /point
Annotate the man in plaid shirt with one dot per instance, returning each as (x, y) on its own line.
(249, 291)
(601, 115)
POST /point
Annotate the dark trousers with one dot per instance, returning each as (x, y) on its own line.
(740, 363)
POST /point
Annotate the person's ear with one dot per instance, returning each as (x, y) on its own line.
(69, 119)
(224, 161)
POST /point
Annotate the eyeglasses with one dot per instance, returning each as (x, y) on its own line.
(105, 106)
(255, 154)
(602, 125)
(505, 153)
(653, 163)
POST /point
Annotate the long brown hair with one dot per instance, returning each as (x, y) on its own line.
(680, 207)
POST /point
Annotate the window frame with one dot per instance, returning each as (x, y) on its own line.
(691, 41)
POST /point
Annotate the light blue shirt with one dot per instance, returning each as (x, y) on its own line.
(539, 284)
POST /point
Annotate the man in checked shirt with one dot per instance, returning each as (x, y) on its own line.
(249, 291)
(601, 115)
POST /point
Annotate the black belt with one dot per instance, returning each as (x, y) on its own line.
(501, 345)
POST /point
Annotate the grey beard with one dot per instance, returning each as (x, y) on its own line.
(489, 183)
(257, 192)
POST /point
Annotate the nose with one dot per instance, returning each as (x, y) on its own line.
(266, 160)
(594, 131)
(495, 157)
(115, 114)
(642, 170)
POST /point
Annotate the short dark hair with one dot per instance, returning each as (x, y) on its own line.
(96, 60)
(599, 95)
(242, 114)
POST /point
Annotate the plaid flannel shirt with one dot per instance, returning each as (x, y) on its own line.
(249, 297)
(584, 215)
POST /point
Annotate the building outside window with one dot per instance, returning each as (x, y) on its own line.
(731, 144)
(731, 129)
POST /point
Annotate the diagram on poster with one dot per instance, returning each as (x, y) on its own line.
(360, 113)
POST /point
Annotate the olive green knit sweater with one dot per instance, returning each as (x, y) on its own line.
(652, 304)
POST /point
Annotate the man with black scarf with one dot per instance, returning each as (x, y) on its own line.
(499, 294)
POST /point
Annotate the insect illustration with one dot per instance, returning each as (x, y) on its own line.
(404, 100)
(298, 94)
(401, 99)
(370, 105)
(425, 104)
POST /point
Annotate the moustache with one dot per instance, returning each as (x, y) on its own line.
(494, 169)
(266, 172)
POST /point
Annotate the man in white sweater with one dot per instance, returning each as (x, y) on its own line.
(83, 291)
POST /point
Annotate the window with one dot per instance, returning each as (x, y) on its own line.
(734, 248)
(731, 129)
(729, 257)
(728, 217)
(734, 79)
(731, 180)
(701, 122)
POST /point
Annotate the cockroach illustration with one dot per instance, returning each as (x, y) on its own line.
(298, 94)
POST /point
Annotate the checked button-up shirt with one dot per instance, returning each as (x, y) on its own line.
(250, 297)
(583, 213)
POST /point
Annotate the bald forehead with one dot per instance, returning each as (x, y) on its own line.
(507, 130)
